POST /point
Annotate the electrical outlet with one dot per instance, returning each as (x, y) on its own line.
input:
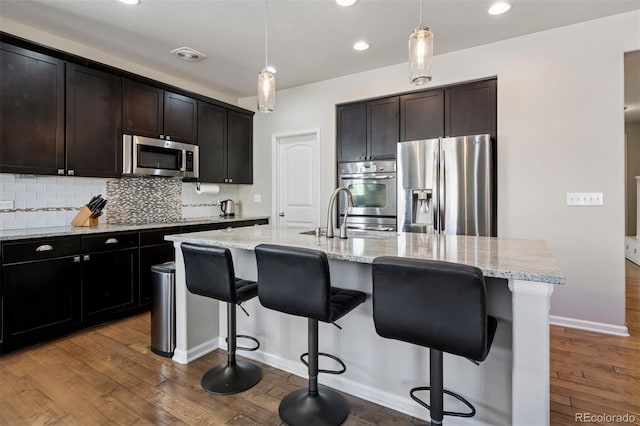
(257, 198)
(585, 199)
(6, 204)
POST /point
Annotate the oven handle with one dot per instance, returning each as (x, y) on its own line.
(351, 177)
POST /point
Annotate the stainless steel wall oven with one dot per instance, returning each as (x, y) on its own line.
(373, 185)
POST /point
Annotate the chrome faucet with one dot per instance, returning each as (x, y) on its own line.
(332, 201)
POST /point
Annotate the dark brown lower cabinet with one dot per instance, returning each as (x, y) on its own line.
(109, 283)
(41, 300)
(109, 275)
(50, 287)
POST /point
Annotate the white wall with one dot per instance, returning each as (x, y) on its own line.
(560, 129)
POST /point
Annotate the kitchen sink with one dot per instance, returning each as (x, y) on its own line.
(358, 233)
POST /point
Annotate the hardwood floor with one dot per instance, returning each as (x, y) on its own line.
(108, 376)
(598, 373)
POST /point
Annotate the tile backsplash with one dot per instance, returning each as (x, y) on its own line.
(44, 201)
(40, 201)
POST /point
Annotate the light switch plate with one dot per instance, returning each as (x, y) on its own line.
(585, 199)
(6, 204)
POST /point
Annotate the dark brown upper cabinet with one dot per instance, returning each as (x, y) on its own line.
(471, 109)
(239, 147)
(368, 130)
(180, 118)
(212, 142)
(352, 131)
(383, 120)
(422, 115)
(94, 123)
(225, 140)
(31, 112)
(155, 113)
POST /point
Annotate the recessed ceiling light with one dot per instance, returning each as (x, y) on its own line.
(188, 54)
(346, 3)
(130, 2)
(499, 8)
(361, 45)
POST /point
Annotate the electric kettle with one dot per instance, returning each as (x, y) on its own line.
(228, 208)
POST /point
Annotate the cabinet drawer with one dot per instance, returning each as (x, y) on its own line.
(104, 242)
(156, 236)
(40, 249)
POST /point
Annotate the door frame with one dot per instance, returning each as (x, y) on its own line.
(276, 140)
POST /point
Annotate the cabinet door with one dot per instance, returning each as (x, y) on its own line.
(470, 109)
(109, 283)
(351, 122)
(31, 112)
(41, 300)
(212, 142)
(149, 256)
(142, 109)
(180, 118)
(383, 126)
(239, 147)
(94, 123)
(422, 115)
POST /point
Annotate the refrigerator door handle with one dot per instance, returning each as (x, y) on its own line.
(442, 184)
(435, 208)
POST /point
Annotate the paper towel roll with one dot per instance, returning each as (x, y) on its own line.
(207, 188)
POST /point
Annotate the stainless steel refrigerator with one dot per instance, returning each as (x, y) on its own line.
(447, 186)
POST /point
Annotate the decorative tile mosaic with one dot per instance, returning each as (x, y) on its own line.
(138, 200)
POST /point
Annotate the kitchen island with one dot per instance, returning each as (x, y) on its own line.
(510, 387)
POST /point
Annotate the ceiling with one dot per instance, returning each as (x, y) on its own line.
(309, 40)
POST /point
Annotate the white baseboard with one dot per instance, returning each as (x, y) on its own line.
(403, 404)
(598, 327)
(185, 357)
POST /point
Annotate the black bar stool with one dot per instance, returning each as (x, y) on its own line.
(209, 272)
(438, 305)
(296, 281)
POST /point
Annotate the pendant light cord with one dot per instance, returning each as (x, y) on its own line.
(266, 33)
(421, 21)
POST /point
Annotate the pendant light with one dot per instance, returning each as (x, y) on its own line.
(420, 53)
(266, 77)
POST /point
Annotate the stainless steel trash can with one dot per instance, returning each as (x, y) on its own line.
(163, 311)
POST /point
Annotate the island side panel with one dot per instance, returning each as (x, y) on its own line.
(531, 353)
(197, 322)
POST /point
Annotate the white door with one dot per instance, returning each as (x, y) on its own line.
(296, 178)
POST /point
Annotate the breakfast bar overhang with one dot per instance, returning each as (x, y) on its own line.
(510, 387)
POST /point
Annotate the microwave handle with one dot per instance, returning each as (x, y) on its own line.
(182, 160)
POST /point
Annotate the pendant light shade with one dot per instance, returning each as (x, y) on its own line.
(420, 53)
(266, 91)
(266, 77)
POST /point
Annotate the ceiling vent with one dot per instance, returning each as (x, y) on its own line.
(188, 54)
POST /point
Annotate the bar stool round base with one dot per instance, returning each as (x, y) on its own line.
(301, 409)
(231, 378)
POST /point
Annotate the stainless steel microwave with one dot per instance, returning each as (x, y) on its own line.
(143, 156)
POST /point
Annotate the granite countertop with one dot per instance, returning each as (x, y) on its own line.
(528, 260)
(58, 231)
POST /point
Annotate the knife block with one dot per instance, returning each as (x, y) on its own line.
(83, 218)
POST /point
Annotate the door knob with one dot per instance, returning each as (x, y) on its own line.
(281, 214)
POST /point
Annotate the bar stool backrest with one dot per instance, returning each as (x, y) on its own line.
(294, 280)
(435, 304)
(209, 272)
